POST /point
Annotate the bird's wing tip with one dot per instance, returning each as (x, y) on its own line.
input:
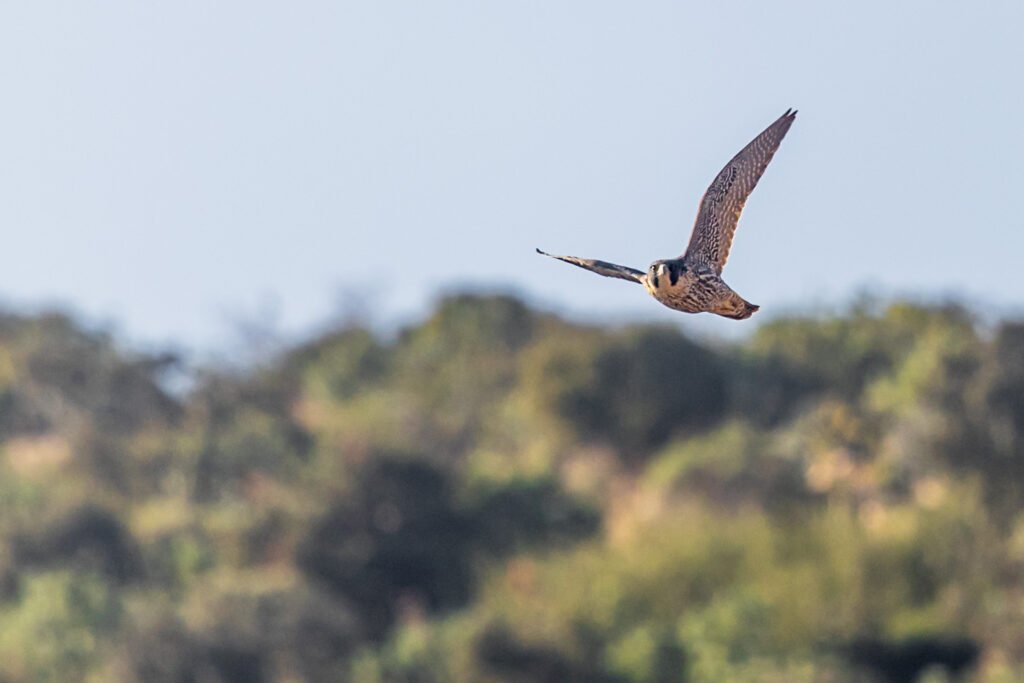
(543, 253)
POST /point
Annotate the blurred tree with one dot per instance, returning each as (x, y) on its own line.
(995, 445)
(160, 651)
(525, 514)
(792, 360)
(634, 390)
(398, 545)
(461, 362)
(341, 364)
(756, 506)
(88, 538)
(247, 427)
(56, 631)
(61, 376)
(904, 662)
(510, 661)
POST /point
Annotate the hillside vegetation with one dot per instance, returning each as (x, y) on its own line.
(499, 495)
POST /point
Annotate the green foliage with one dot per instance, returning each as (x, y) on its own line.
(633, 389)
(500, 495)
(529, 514)
(57, 628)
(789, 361)
(341, 365)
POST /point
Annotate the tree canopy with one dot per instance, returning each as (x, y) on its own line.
(500, 494)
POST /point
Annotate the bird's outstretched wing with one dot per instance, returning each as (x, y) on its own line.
(723, 202)
(602, 267)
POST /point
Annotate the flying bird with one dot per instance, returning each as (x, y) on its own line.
(693, 282)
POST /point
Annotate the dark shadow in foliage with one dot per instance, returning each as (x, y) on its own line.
(669, 665)
(90, 538)
(647, 386)
(904, 661)
(161, 652)
(397, 542)
(320, 636)
(1006, 393)
(236, 664)
(528, 513)
(298, 630)
(658, 384)
(294, 634)
(511, 661)
(10, 583)
(19, 414)
(995, 446)
(767, 391)
(166, 652)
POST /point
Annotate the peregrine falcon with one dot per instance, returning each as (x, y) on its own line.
(692, 283)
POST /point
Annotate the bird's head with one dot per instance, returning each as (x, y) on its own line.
(663, 273)
(656, 273)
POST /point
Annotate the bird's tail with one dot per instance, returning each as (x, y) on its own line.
(738, 308)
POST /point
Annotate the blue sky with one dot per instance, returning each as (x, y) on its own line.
(171, 167)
